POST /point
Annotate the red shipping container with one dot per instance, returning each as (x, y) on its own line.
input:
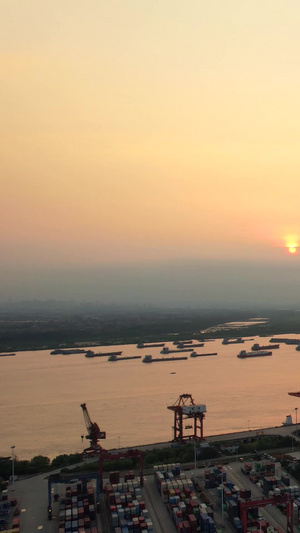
(111, 499)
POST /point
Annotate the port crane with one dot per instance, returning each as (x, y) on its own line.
(186, 409)
(94, 432)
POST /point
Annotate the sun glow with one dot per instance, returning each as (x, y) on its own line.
(291, 244)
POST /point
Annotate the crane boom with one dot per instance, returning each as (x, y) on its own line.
(94, 432)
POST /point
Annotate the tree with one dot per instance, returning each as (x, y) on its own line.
(40, 463)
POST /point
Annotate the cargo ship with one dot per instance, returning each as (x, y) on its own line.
(195, 354)
(150, 359)
(257, 347)
(67, 352)
(167, 350)
(150, 345)
(6, 354)
(114, 357)
(90, 353)
(260, 353)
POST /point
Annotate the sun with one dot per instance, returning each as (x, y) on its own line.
(291, 244)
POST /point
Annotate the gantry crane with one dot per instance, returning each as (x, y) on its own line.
(185, 408)
(94, 432)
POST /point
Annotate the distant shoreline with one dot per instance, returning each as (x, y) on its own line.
(65, 331)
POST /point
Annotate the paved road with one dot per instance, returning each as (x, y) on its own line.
(158, 511)
(32, 497)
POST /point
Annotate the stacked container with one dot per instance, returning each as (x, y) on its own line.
(77, 512)
(127, 509)
(177, 492)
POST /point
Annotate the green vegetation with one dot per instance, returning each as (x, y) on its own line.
(183, 454)
(267, 443)
(32, 330)
(36, 465)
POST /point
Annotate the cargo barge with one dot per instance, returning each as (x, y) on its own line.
(285, 340)
(67, 352)
(195, 354)
(167, 350)
(260, 353)
(182, 345)
(150, 359)
(239, 340)
(6, 354)
(257, 347)
(114, 357)
(90, 353)
(150, 345)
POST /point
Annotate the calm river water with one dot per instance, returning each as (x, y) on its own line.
(41, 395)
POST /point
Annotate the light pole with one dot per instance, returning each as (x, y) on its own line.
(222, 473)
(13, 464)
(195, 457)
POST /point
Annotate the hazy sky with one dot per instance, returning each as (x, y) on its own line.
(139, 132)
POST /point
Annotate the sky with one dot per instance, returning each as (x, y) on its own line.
(149, 136)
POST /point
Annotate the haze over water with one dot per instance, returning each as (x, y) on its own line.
(41, 395)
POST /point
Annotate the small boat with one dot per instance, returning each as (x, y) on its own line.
(260, 353)
(297, 394)
(6, 354)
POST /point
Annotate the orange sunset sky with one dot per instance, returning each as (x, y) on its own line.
(144, 131)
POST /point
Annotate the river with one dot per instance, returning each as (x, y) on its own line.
(41, 395)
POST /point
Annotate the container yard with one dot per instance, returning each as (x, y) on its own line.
(125, 504)
(77, 510)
